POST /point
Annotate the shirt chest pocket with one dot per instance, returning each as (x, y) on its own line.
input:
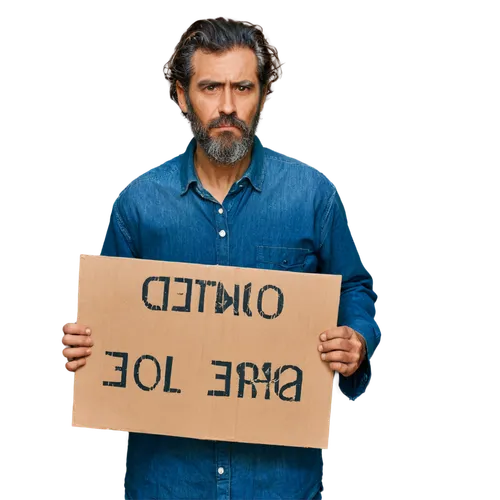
(286, 259)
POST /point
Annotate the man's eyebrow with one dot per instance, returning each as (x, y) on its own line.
(206, 83)
(245, 83)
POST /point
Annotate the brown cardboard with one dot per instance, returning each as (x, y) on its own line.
(122, 300)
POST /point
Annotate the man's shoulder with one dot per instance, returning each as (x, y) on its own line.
(165, 175)
(281, 166)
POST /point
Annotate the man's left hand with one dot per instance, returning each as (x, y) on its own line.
(343, 349)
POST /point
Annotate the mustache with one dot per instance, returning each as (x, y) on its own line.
(228, 121)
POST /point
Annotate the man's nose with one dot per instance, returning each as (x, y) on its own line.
(227, 105)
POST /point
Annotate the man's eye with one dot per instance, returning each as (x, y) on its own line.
(240, 88)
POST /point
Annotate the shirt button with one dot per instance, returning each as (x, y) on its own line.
(221, 210)
(220, 470)
(222, 233)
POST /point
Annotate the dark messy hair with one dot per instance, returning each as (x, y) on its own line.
(217, 36)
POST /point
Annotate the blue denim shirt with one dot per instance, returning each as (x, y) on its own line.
(282, 215)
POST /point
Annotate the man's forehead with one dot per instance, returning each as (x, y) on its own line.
(236, 64)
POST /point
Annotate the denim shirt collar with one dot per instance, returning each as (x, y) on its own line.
(254, 173)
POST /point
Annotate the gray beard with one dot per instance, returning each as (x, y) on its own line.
(225, 149)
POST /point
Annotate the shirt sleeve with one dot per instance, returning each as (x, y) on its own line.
(338, 255)
(118, 242)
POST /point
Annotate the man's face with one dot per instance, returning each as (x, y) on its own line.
(223, 103)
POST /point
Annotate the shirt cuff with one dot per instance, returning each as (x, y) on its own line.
(356, 384)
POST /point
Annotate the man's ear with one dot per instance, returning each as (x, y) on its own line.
(181, 97)
(266, 97)
(262, 103)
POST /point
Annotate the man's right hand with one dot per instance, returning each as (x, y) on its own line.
(79, 342)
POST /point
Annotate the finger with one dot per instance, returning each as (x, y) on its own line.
(76, 352)
(335, 345)
(76, 329)
(345, 369)
(340, 356)
(73, 365)
(343, 332)
(77, 340)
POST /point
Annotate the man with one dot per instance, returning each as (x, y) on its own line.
(229, 201)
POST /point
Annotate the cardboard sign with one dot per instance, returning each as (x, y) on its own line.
(207, 352)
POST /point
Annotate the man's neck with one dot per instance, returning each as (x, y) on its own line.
(217, 179)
